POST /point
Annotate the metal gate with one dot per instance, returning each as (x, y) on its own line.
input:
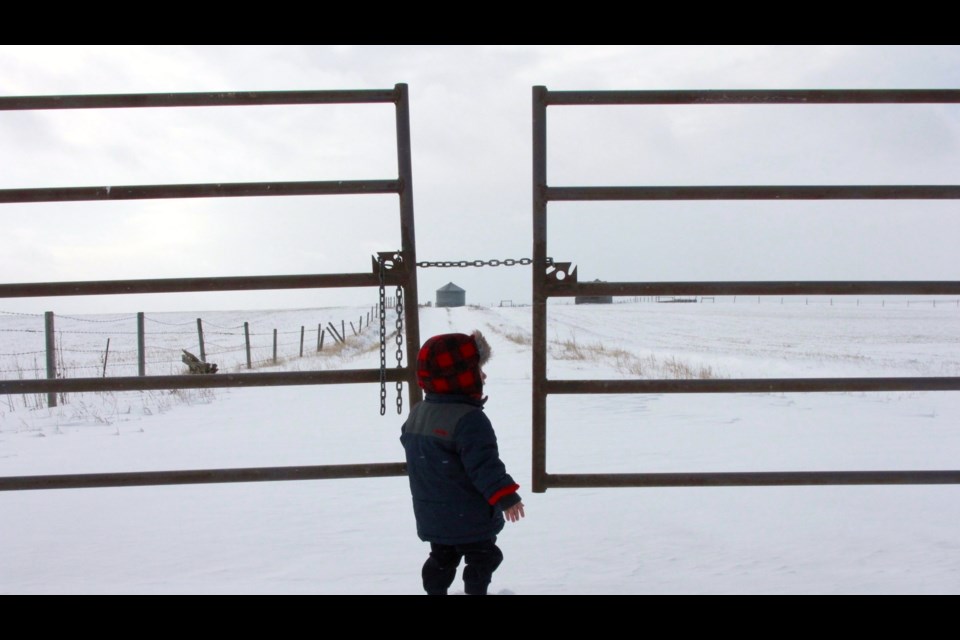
(399, 270)
(558, 280)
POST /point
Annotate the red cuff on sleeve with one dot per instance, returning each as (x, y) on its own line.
(503, 492)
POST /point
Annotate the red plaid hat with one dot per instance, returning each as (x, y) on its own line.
(450, 364)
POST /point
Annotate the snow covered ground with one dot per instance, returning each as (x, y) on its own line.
(358, 536)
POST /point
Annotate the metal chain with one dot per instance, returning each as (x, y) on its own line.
(383, 342)
(399, 347)
(509, 262)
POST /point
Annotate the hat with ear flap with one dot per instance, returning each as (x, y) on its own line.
(483, 347)
(450, 364)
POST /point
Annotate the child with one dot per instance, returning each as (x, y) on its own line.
(461, 490)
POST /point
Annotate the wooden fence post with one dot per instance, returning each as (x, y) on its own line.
(106, 354)
(301, 340)
(141, 345)
(352, 329)
(51, 355)
(246, 334)
(343, 330)
(320, 338)
(203, 351)
(274, 346)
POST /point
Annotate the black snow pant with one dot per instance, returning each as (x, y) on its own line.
(440, 569)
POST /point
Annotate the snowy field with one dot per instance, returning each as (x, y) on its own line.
(358, 536)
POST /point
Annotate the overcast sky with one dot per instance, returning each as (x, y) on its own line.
(470, 110)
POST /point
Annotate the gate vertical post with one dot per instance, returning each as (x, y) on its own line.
(408, 244)
(539, 404)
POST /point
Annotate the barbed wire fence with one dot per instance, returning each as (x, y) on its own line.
(37, 346)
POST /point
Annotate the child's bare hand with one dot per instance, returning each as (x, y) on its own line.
(514, 513)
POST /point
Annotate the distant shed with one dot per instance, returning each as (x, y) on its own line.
(594, 299)
(450, 295)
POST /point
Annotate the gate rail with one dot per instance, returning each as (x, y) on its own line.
(401, 272)
(561, 281)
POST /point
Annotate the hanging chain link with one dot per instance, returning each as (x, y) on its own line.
(399, 347)
(509, 262)
(381, 263)
(383, 341)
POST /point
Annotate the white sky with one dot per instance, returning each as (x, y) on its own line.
(471, 114)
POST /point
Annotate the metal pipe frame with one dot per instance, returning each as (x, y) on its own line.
(403, 274)
(796, 192)
(782, 96)
(545, 288)
(208, 190)
(184, 285)
(211, 99)
(201, 476)
(408, 242)
(754, 385)
(563, 289)
(752, 479)
(218, 381)
(540, 293)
